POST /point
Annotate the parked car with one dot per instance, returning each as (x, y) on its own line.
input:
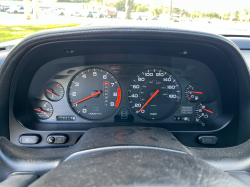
(90, 15)
(175, 19)
(94, 14)
(61, 13)
(109, 12)
(12, 10)
(77, 14)
(18, 10)
(101, 15)
(3, 9)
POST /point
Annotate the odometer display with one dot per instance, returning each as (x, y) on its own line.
(154, 94)
(94, 94)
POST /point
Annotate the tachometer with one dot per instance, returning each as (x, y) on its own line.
(154, 94)
(94, 94)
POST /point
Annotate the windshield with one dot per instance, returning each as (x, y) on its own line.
(21, 18)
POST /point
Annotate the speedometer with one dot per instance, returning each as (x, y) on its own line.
(154, 94)
(94, 94)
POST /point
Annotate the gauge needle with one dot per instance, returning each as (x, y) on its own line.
(52, 93)
(207, 110)
(149, 100)
(97, 93)
(196, 92)
(40, 110)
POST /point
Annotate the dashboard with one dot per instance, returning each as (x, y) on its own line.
(61, 90)
(81, 94)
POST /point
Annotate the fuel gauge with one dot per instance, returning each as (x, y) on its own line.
(204, 113)
(193, 92)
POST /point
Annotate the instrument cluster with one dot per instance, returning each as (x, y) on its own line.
(126, 93)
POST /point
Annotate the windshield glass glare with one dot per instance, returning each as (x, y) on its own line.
(19, 18)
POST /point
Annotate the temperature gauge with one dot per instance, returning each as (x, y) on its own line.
(54, 91)
(193, 92)
(43, 110)
(204, 113)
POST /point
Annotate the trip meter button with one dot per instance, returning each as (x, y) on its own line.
(154, 94)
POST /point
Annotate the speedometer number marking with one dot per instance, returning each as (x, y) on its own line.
(154, 95)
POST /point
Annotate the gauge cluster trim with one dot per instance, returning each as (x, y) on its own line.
(168, 49)
(178, 66)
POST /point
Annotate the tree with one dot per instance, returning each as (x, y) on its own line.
(185, 14)
(120, 5)
(81, 1)
(140, 8)
(176, 10)
(128, 7)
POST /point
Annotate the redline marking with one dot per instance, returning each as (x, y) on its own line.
(118, 97)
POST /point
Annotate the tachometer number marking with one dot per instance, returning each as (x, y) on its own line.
(98, 95)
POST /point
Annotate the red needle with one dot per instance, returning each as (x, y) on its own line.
(149, 100)
(99, 92)
(52, 93)
(196, 92)
(40, 110)
(207, 110)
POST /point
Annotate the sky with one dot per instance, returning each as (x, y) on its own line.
(202, 5)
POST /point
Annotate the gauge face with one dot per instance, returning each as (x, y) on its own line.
(54, 91)
(193, 92)
(94, 94)
(204, 113)
(43, 110)
(154, 94)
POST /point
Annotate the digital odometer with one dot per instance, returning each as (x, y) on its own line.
(94, 94)
(154, 94)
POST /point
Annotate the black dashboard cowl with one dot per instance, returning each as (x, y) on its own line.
(127, 33)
